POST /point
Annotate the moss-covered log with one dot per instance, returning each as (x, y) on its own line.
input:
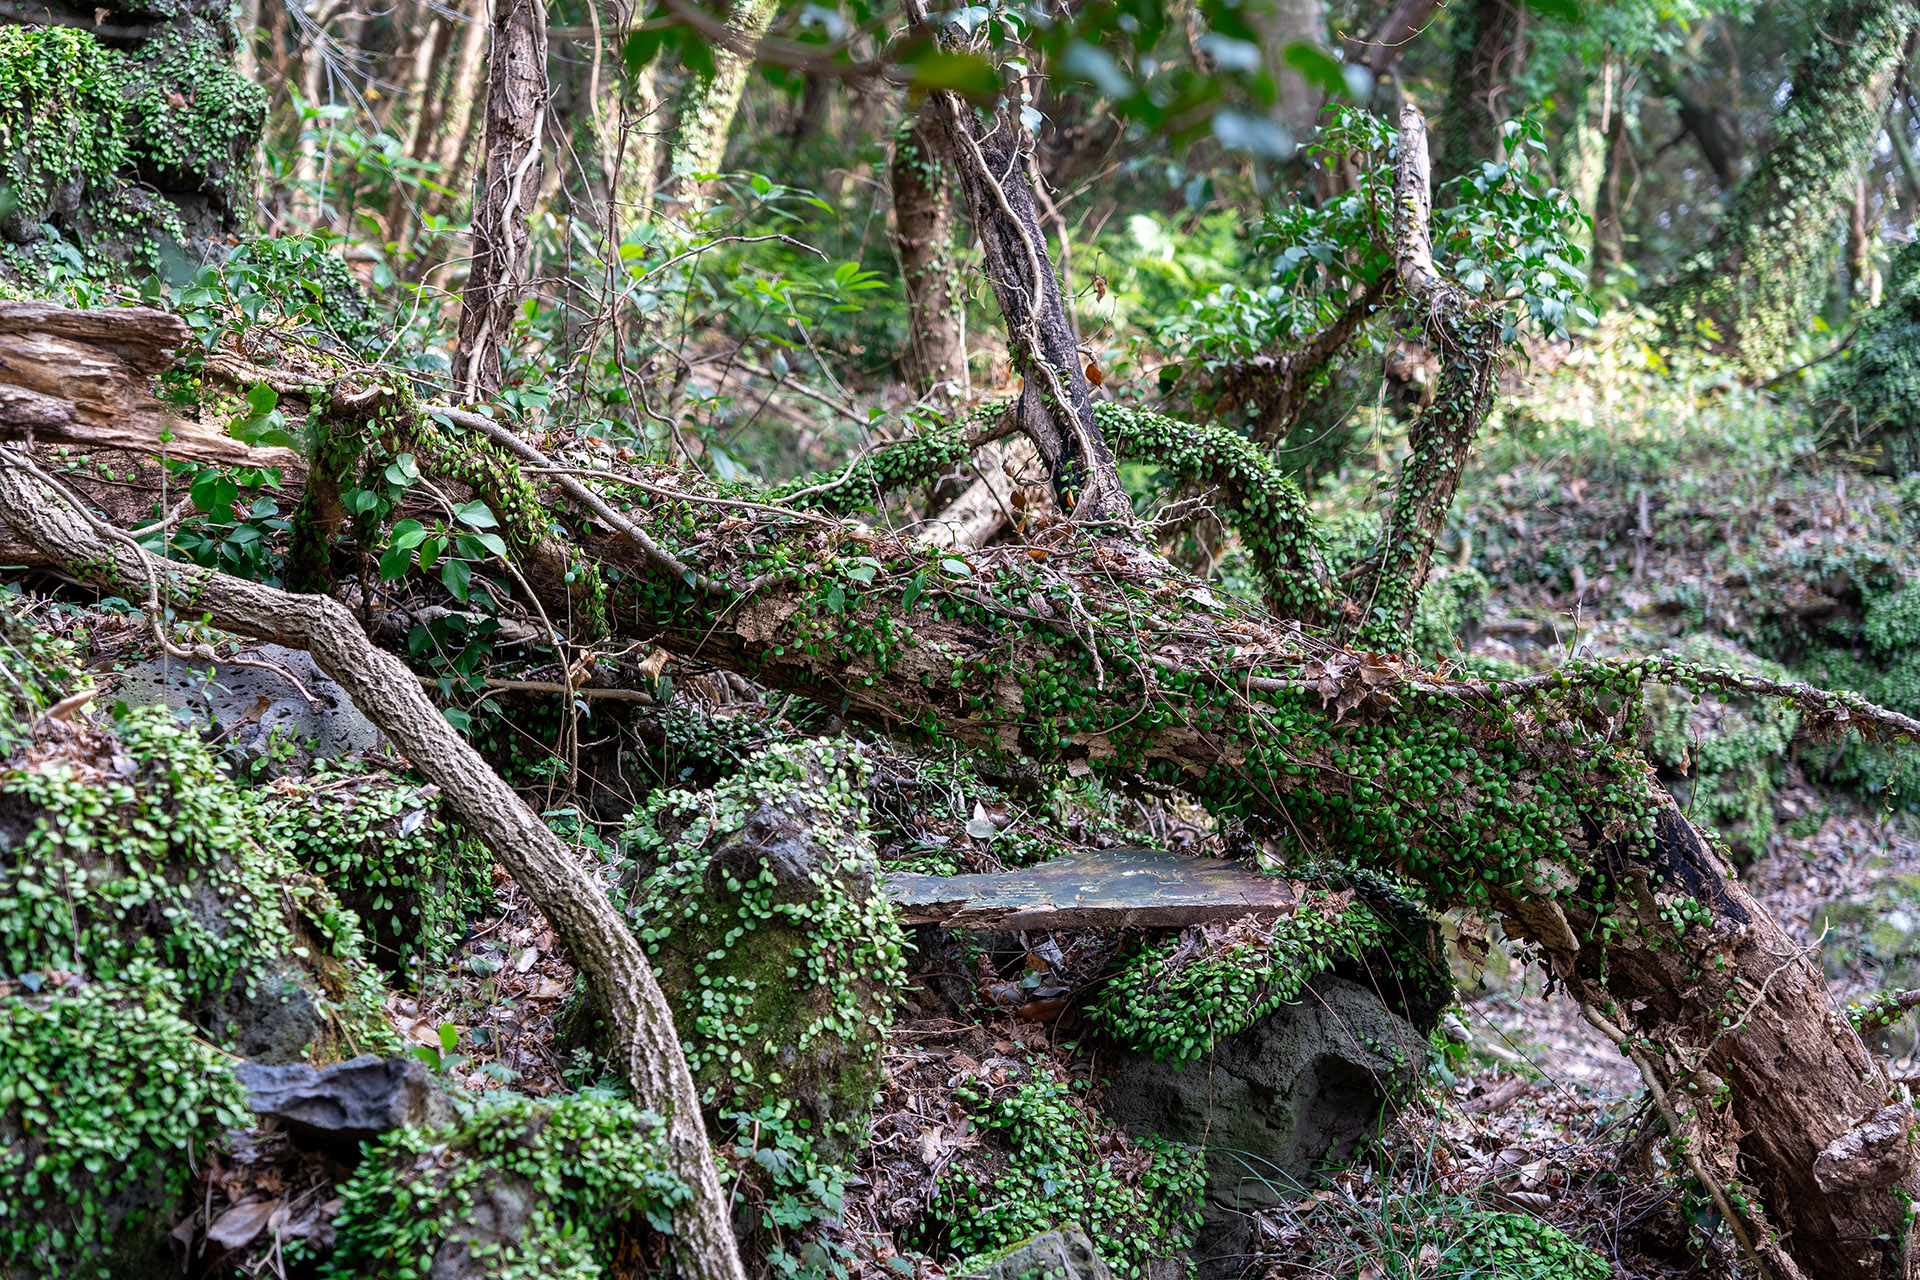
(1530, 798)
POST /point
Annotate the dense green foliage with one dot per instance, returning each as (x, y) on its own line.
(85, 125)
(760, 905)
(1139, 1200)
(1766, 269)
(578, 1175)
(1873, 389)
(412, 877)
(1172, 1003)
(162, 862)
(106, 1097)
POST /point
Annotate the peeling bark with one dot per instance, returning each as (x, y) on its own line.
(504, 194)
(1056, 403)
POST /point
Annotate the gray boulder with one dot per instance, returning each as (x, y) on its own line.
(350, 1102)
(1295, 1090)
(257, 709)
(1064, 1253)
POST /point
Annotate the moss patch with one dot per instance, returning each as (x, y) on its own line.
(579, 1181)
(769, 935)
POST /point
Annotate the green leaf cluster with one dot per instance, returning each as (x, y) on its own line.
(1138, 1199)
(592, 1164)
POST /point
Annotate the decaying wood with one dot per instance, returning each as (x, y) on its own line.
(85, 378)
(597, 938)
(1725, 1002)
(1106, 889)
(988, 505)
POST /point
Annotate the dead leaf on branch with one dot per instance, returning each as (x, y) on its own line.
(1348, 682)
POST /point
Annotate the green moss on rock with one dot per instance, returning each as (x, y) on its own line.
(1138, 1200)
(106, 1097)
(520, 1190)
(757, 902)
(412, 877)
(1174, 997)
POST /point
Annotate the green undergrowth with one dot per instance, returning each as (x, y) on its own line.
(1175, 997)
(1417, 1238)
(1883, 665)
(92, 131)
(584, 1177)
(36, 671)
(134, 849)
(1137, 1199)
(150, 925)
(758, 903)
(412, 877)
(106, 1097)
(1729, 749)
(1872, 390)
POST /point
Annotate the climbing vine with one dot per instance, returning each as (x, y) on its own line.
(592, 1165)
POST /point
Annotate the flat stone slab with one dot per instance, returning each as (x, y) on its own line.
(1107, 889)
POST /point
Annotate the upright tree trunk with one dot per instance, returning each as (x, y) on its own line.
(1863, 280)
(642, 124)
(1768, 267)
(504, 193)
(1488, 49)
(936, 354)
(1056, 403)
(1585, 159)
(1290, 22)
(426, 106)
(1609, 204)
(707, 111)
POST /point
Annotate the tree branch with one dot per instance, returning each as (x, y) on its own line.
(595, 934)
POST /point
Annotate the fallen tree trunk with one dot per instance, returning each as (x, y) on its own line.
(1523, 797)
(595, 934)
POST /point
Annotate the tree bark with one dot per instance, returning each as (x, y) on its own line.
(936, 356)
(504, 194)
(1767, 268)
(596, 935)
(1056, 402)
(707, 110)
(638, 147)
(1609, 206)
(1525, 795)
(1386, 584)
